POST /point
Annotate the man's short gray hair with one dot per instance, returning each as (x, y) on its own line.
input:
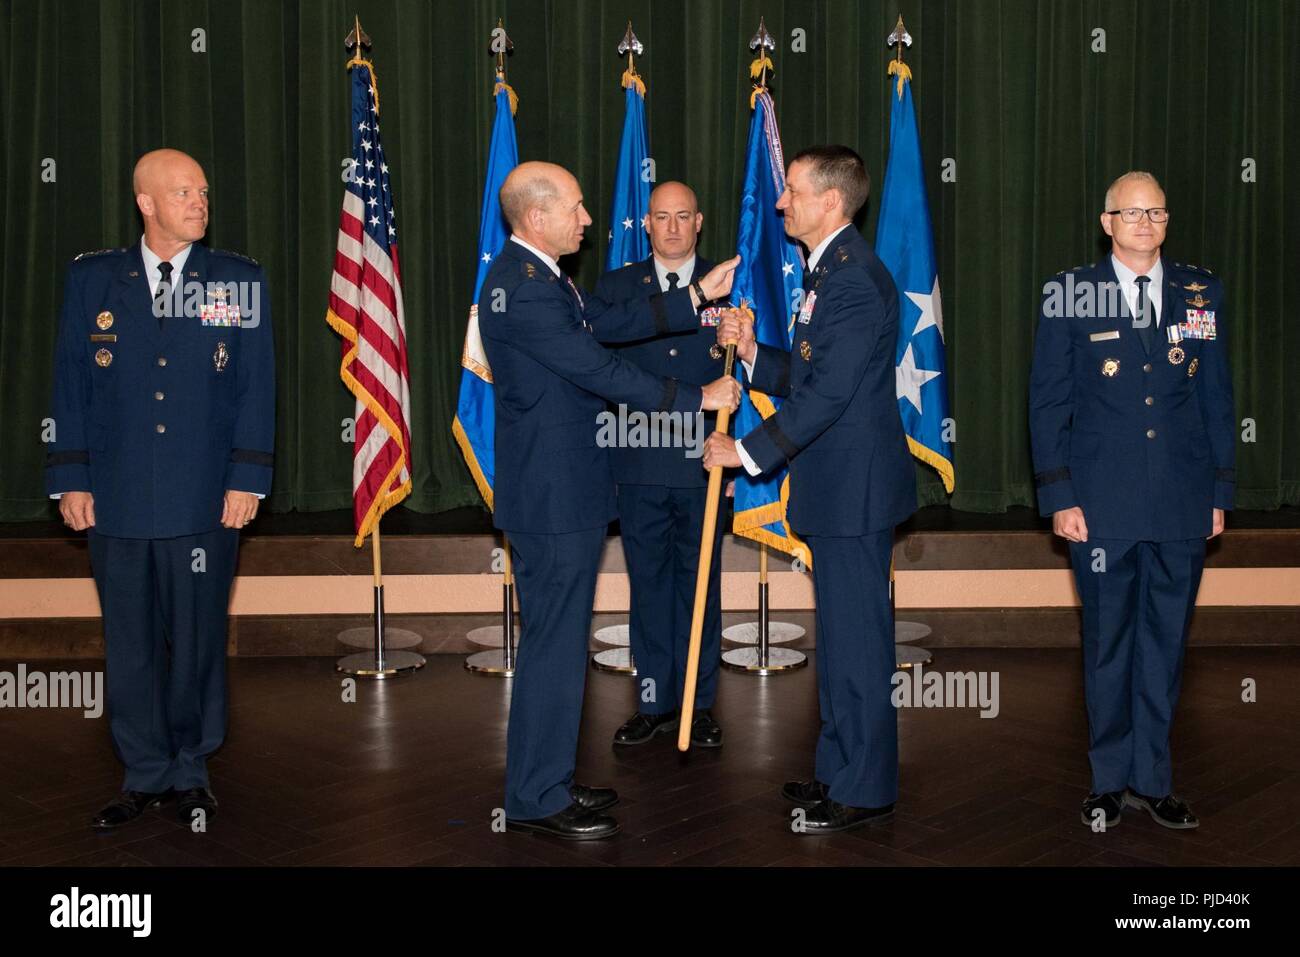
(530, 192)
(1133, 175)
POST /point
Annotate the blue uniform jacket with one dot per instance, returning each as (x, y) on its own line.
(850, 470)
(684, 356)
(1144, 442)
(551, 380)
(158, 423)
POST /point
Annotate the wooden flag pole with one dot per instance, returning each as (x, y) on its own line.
(702, 574)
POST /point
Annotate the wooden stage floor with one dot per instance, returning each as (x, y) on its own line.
(411, 772)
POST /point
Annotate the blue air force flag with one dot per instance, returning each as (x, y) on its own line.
(628, 242)
(769, 280)
(905, 244)
(475, 421)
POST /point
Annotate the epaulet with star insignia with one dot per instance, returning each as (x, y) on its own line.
(1200, 269)
(97, 252)
(240, 256)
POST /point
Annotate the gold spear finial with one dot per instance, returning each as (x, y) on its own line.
(899, 38)
(356, 40)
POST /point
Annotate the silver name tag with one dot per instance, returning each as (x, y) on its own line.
(1103, 336)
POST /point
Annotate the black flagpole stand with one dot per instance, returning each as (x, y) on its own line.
(381, 662)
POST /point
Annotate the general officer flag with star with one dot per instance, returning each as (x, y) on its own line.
(628, 242)
(475, 422)
(905, 244)
(768, 280)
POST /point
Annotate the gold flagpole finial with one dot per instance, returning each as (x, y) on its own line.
(355, 41)
(630, 45)
(897, 67)
(500, 46)
(761, 42)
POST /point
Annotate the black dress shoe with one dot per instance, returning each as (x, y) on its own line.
(640, 728)
(574, 823)
(705, 732)
(1167, 811)
(593, 799)
(830, 816)
(804, 793)
(1112, 803)
(192, 799)
(128, 806)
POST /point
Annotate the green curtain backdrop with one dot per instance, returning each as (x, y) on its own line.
(1035, 122)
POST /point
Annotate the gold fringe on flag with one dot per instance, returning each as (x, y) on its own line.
(510, 91)
(631, 78)
(902, 71)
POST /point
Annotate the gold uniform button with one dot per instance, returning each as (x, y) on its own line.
(159, 396)
(1149, 401)
(1151, 433)
(162, 360)
(1147, 367)
(160, 428)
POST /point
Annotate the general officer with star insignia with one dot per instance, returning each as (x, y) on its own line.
(164, 413)
(554, 491)
(661, 489)
(851, 479)
(1132, 426)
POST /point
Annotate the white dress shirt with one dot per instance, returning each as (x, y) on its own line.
(684, 273)
(153, 274)
(1129, 286)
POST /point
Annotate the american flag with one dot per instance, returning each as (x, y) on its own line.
(365, 308)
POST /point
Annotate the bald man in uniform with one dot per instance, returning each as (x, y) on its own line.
(164, 409)
(554, 491)
(661, 490)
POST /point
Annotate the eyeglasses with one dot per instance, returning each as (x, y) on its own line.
(1159, 214)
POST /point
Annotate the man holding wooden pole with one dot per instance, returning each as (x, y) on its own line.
(554, 488)
(851, 479)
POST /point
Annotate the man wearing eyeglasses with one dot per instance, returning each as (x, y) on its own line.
(1132, 427)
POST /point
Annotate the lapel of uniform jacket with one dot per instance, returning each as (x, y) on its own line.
(133, 298)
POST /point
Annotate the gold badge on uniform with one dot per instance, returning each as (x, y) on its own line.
(104, 320)
(103, 358)
(1195, 287)
(805, 350)
(1192, 367)
(220, 357)
(1109, 367)
(1177, 355)
(1200, 302)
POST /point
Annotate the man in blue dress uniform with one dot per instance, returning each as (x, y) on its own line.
(661, 489)
(1132, 423)
(164, 411)
(851, 480)
(554, 491)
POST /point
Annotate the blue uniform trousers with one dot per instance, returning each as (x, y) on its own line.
(661, 528)
(1136, 615)
(857, 752)
(165, 650)
(556, 579)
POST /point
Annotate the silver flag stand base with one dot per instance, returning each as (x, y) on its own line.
(750, 661)
(394, 638)
(381, 663)
(620, 636)
(394, 664)
(778, 632)
(762, 659)
(496, 663)
(905, 655)
(616, 661)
